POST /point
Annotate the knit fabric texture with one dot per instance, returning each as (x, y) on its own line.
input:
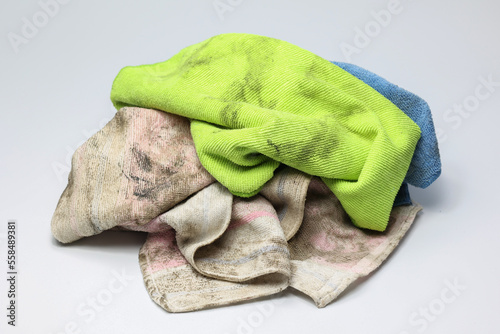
(425, 166)
(255, 102)
(206, 247)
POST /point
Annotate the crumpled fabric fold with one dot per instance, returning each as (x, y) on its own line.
(206, 247)
(425, 166)
(257, 102)
(229, 251)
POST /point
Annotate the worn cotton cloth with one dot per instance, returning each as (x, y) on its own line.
(141, 164)
(255, 102)
(223, 251)
(205, 247)
(328, 253)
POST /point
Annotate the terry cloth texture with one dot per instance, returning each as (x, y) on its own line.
(206, 247)
(425, 166)
(255, 102)
(141, 164)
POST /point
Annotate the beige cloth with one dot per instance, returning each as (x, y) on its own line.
(141, 164)
(328, 252)
(219, 253)
(206, 247)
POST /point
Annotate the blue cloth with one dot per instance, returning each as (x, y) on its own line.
(425, 166)
(403, 196)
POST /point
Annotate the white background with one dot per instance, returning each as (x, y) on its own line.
(54, 93)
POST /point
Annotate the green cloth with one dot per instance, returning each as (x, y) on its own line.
(255, 102)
